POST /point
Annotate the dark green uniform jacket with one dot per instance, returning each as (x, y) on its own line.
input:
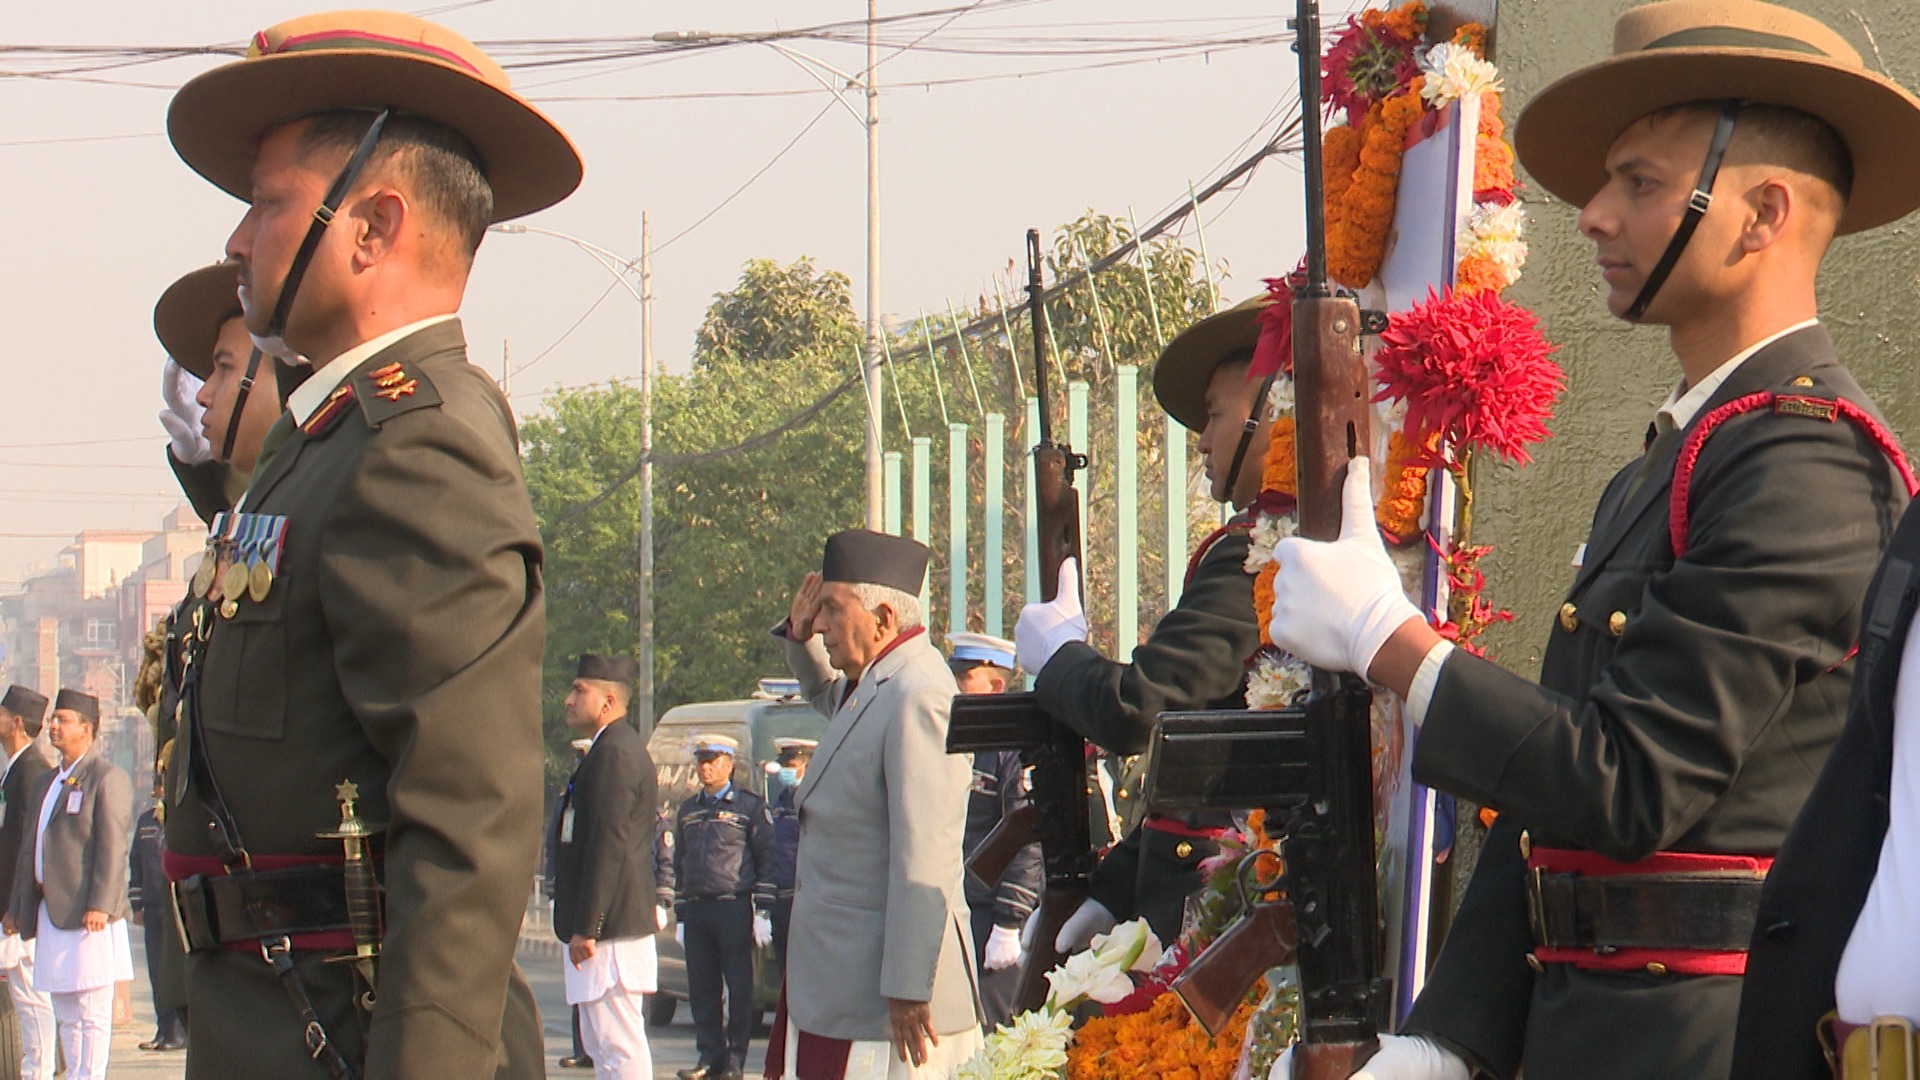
(1195, 658)
(1699, 727)
(399, 648)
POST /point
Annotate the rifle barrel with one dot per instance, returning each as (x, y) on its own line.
(1306, 41)
(1036, 307)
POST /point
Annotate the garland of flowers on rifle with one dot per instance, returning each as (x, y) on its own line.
(1471, 372)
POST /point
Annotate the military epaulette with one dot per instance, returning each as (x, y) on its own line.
(329, 413)
(386, 392)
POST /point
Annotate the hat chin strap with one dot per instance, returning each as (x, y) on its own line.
(240, 405)
(1697, 205)
(322, 217)
(1246, 432)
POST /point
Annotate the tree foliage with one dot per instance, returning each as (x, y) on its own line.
(735, 532)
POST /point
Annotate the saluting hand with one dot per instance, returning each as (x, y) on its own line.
(806, 607)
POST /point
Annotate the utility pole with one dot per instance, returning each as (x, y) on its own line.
(505, 355)
(643, 694)
(875, 468)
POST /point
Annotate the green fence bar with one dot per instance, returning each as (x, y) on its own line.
(1126, 471)
(993, 560)
(957, 528)
(922, 512)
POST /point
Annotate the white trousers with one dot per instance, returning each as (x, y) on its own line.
(613, 1032)
(877, 1060)
(85, 1018)
(35, 1012)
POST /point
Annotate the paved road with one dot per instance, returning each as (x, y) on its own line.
(672, 1045)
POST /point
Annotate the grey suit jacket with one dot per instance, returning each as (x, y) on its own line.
(86, 852)
(879, 910)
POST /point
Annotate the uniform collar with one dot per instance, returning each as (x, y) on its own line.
(310, 395)
(725, 794)
(1685, 402)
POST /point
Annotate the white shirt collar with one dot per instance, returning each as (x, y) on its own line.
(1686, 402)
(8, 771)
(307, 399)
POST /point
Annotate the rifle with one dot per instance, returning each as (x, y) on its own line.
(1055, 752)
(1322, 800)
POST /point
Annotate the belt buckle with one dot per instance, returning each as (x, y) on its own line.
(1904, 1028)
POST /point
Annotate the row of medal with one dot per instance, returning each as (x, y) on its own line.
(248, 546)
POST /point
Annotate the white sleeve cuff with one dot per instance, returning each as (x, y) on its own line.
(1425, 681)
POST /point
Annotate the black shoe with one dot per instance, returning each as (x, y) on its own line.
(730, 1074)
(581, 1062)
(700, 1072)
(177, 1042)
(158, 1042)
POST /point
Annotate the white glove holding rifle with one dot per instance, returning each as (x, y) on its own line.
(1043, 628)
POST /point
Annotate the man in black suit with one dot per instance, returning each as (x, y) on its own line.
(21, 713)
(1699, 667)
(603, 890)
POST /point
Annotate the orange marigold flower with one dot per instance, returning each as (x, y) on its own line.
(1399, 511)
(1280, 472)
(1476, 275)
(1263, 598)
(1356, 246)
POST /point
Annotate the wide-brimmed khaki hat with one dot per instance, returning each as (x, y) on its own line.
(1680, 51)
(188, 318)
(372, 60)
(1185, 366)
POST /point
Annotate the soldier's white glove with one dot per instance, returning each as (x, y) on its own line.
(1335, 604)
(762, 930)
(680, 934)
(182, 416)
(1003, 948)
(660, 918)
(1043, 628)
(1091, 920)
(1401, 1057)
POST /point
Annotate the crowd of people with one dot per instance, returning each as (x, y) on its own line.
(351, 807)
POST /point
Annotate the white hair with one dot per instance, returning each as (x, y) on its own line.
(906, 607)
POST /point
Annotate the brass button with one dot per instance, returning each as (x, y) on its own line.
(1183, 849)
(228, 609)
(1803, 381)
(1569, 617)
(1123, 794)
(1534, 963)
(1655, 967)
(1526, 845)
(1617, 623)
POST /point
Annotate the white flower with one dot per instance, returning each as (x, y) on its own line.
(1454, 72)
(1280, 395)
(1268, 530)
(1276, 679)
(1131, 944)
(1088, 975)
(1031, 1046)
(1497, 234)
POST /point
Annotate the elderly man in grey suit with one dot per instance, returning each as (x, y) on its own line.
(880, 982)
(70, 886)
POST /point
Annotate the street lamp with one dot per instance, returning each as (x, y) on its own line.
(619, 267)
(813, 66)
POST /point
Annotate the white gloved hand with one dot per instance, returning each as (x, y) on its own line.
(183, 414)
(660, 917)
(1401, 1057)
(1335, 604)
(1091, 920)
(1003, 948)
(1043, 628)
(762, 930)
(680, 934)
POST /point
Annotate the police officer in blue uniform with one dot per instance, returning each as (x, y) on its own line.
(984, 665)
(723, 872)
(792, 756)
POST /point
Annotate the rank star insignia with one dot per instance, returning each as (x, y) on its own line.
(398, 390)
(346, 791)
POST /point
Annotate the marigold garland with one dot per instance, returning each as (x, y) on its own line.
(1357, 235)
(1401, 504)
(1162, 1042)
(1492, 156)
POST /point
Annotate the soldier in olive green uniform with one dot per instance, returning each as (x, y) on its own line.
(373, 663)
(1196, 656)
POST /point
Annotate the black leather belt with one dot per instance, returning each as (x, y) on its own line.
(222, 909)
(1709, 911)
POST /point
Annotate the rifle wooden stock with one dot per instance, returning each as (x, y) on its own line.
(1057, 509)
(988, 861)
(1216, 982)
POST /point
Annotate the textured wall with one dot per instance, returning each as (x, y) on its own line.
(1616, 375)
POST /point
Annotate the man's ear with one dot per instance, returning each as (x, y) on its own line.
(382, 218)
(999, 680)
(1772, 204)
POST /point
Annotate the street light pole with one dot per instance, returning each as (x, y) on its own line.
(643, 696)
(619, 266)
(874, 354)
(871, 366)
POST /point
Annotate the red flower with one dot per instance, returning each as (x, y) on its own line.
(1369, 60)
(1274, 351)
(1476, 369)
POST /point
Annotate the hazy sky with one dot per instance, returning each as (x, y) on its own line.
(98, 215)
